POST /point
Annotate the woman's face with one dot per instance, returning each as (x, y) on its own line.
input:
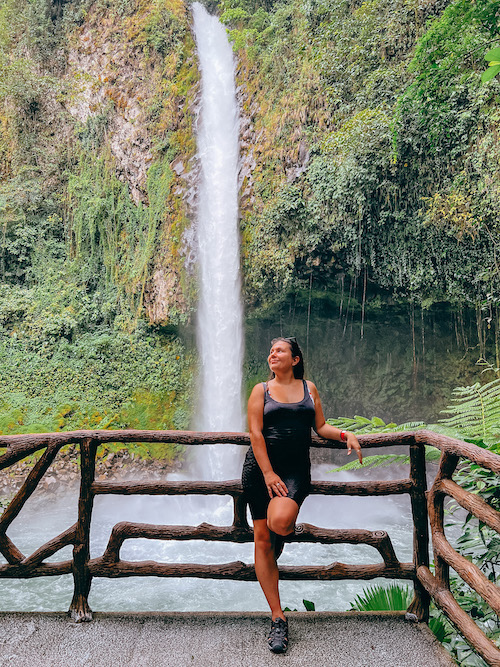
(280, 357)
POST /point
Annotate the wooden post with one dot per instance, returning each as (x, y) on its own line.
(436, 514)
(240, 512)
(419, 607)
(79, 609)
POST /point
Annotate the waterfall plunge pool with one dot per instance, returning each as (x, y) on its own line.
(35, 525)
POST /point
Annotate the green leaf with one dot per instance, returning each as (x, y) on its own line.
(362, 420)
(375, 461)
(395, 597)
(493, 54)
(490, 73)
(310, 606)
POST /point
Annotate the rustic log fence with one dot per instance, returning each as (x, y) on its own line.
(426, 584)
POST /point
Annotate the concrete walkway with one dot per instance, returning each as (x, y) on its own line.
(317, 639)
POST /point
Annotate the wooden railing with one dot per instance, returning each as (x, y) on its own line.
(109, 564)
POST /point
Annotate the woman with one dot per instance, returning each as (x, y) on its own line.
(277, 469)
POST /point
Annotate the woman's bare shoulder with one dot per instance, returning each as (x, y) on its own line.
(312, 388)
(258, 390)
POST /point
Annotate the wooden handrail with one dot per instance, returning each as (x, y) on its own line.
(438, 584)
(234, 488)
(460, 619)
(427, 585)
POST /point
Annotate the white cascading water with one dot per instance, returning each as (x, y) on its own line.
(220, 314)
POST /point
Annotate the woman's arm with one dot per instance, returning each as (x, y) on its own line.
(275, 485)
(330, 432)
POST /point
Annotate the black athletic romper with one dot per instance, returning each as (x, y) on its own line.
(287, 432)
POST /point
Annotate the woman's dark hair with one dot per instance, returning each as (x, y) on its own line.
(298, 369)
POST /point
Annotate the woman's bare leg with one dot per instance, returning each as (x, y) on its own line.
(281, 516)
(266, 568)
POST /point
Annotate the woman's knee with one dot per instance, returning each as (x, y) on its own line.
(281, 516)
(281, 526)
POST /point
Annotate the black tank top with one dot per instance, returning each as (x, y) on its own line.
(287, 428)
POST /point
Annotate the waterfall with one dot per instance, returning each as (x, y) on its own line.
(220, 313)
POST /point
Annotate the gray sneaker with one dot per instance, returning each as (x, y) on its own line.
(278, 636)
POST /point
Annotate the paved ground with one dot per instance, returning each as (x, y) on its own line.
(215, 640)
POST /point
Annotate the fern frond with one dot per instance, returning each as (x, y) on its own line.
(383, 597)
(410, 426)
(382, 460)
(476, 409)
(431, 453)
(376, 461)
(361, 425)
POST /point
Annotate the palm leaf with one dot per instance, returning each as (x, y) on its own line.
(395, 597)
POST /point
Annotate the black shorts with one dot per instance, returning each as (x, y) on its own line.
(296, 478)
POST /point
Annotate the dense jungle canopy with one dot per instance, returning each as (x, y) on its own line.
(370, 165)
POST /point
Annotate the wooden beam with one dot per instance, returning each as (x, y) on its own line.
(27, 442)
(469, 572)
(242, 572)
(125, 530)
(9, 550)
(419, 606)
(50, 547)
(369, 488)
(466, 450)
(29, 485)
(471, 502)
(19, 571)
(234, 488)
(79, 609)
(435, 509)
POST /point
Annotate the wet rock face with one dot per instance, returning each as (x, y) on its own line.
(247, 142)
(252, 161)
(109, 79)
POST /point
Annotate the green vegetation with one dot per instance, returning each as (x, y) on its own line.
(397, 597)
(103, 379)
(82, 234)
(375, 148)
(492, 57)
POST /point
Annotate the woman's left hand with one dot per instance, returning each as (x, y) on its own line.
(352, 443)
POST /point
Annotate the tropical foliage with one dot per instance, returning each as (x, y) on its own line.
(476, 412)
(397, 597)
(375, 147)
(359, 425)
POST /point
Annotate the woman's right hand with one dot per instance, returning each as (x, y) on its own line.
(275, 485)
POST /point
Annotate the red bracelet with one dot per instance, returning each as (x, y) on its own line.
(343, 436)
